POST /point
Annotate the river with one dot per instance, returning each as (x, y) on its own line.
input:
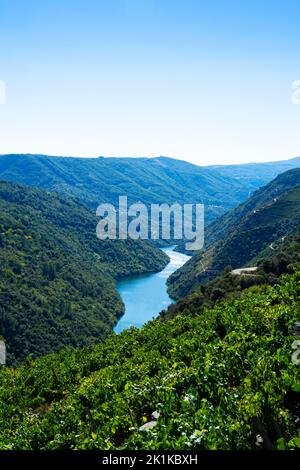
(144, 296)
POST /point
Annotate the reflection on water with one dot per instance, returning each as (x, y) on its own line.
(146, 295)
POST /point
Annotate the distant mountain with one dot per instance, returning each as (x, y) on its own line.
(257, 174)
(56, 278)
(241, 234)
(149, 180)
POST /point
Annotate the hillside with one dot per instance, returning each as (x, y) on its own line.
(149, 180)
(223, 379)
(216, 367)
(56, 283)
(241, 234)
(258, 200)
(258, 174)
(281, 257)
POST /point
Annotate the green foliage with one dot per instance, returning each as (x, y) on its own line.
(271, 264)
(56, 278)
(155, 180)
(243, 235)
(219, 380)
(219, 371)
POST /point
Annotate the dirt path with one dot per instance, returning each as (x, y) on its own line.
(244, 271)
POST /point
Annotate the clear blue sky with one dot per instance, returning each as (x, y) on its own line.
(206, 81)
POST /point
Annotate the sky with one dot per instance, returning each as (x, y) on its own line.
(209, 82)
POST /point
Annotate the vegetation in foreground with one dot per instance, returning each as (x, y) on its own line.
(223, 379)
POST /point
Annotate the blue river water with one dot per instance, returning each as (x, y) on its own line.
(145, 296)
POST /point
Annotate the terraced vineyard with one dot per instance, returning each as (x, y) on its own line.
(223, 379)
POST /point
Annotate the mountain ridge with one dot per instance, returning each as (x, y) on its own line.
(149, 180)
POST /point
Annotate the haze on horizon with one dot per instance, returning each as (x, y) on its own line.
(206, 82)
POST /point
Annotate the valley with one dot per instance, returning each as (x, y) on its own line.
(57, 284)
(149, 233)
(96, 343)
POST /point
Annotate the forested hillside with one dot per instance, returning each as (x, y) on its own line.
(258, 200)
(149, 180)
(57, 279)
(240, 235)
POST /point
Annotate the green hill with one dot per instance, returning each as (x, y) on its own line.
(57, 279)
(277, 259)
(149, 180)
(216, 367)
(222, 379)
(258, 200)
(241, 234)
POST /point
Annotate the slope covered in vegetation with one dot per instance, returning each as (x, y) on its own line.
(56, 277)
(149, 180)
(239, 236)
(272, 263)
(258, 200)
(223, 379)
